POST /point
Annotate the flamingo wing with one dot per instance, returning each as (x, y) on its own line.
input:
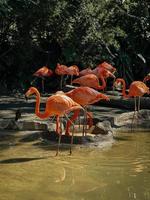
(138, 88)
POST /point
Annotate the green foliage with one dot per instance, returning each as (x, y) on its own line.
(38, 32)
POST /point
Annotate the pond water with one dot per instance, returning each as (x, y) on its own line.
(30, 170)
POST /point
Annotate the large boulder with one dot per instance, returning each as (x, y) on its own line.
(139, 121)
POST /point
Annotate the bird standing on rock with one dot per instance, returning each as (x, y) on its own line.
(56, 105)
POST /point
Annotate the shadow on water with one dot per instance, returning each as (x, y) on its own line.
(122, 138)
(19, 160)
(30, 137)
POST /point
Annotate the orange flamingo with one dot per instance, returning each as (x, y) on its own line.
(136, 89)
(61, 70)
(91, 80)
(72, 70)
(85, 96)
(56, 105)
(107, 66)
(101, 71)
(86, 71)
(42, 73)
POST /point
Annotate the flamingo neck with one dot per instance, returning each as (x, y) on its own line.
(101, 87)
(124, 88)
(37, 107)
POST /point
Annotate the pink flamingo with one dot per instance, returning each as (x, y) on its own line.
(85, 96)
(86, 71)
(42, 73)
(61, 70)
(56, 105)
(107, 66)
(91, 80)
(72, 70)
(136, 89)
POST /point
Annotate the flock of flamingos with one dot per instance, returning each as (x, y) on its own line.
(61, 103)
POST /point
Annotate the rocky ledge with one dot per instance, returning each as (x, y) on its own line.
(100, 134)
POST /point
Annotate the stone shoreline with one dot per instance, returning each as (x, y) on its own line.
(108, 117)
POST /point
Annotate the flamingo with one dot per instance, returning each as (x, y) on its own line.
(106, 70)
(102, 72)
(43, 72)
(107, 66)
(136, 89)
(146, 78)
(86, 71)
(72, 70)
(99, 72)
(61, 70)
(56, 105)
(90, 80)
(85, 96)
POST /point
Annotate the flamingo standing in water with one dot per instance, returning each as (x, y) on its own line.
(56, 105)
(136, 89)
(91, 80)
(85, 96)
(42, 73)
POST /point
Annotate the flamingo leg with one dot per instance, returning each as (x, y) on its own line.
(71, 143)
(58, 130)
(89, 119)
(84, 121)
(61, 81)
(59, 139)
(42, 85)
(134, 114)
(114, 84)
(139, 103)
(105, 89)
(71, 79)
(70, 121)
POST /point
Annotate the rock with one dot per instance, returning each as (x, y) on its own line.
(102, 128)
(32, 125)
(127, 118)
(52, 127)
(130, 121)
(10, 124)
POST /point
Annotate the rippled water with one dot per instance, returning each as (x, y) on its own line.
(29, 170)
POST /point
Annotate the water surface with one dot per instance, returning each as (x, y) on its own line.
(29, 170)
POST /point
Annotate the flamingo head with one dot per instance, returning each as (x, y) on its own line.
(31, 91)
(147, 78)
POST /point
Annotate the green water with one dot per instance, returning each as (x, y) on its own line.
(29, 170)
